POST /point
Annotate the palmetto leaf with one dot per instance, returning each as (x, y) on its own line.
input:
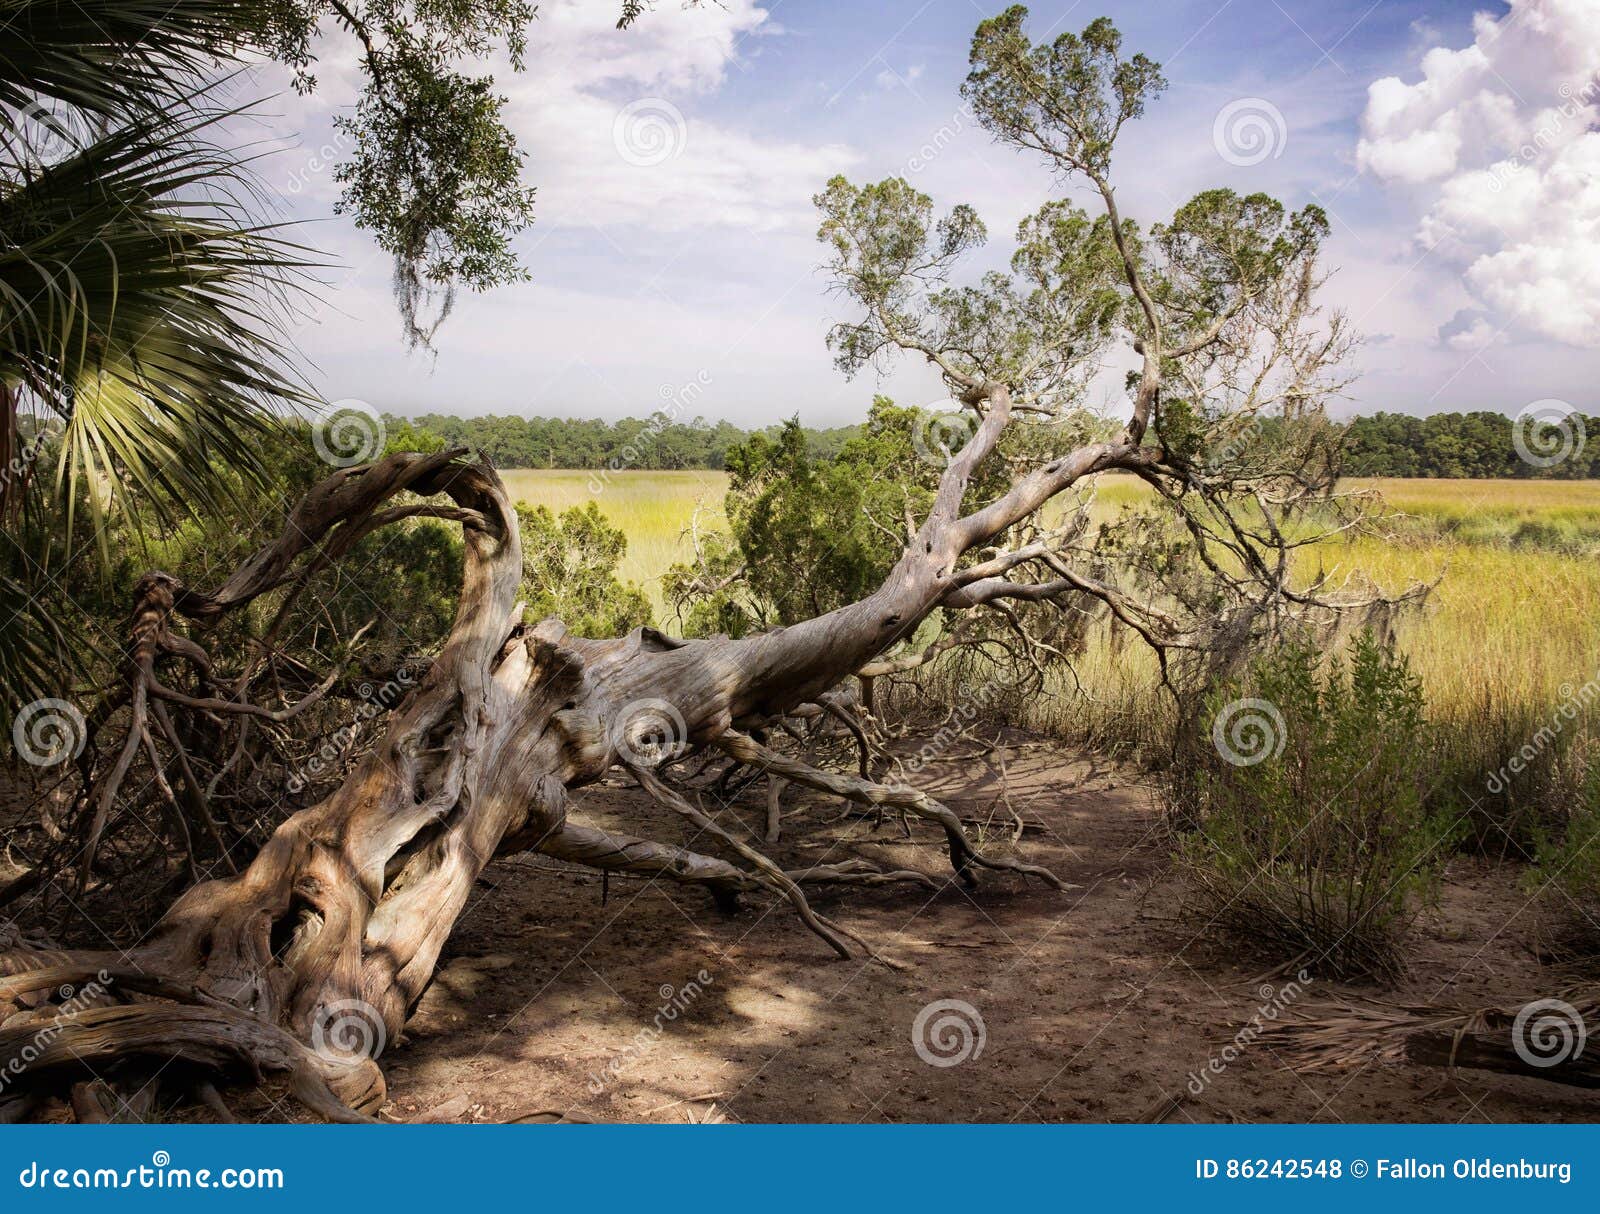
(32, 646)
(141, 297)
(107, 56)
(139, 304)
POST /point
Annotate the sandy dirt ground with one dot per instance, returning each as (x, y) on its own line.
(635, 1001)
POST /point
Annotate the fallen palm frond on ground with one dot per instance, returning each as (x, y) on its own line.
(1543, 1039)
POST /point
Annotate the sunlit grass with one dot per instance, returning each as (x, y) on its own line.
(654, 510)
(1512, 626)
(1558, 516)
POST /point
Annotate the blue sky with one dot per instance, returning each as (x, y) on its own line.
(674, 243)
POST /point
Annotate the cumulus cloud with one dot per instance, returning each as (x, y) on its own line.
(1500, 140)
(619, 125)
(1468, 330)
(889, 79)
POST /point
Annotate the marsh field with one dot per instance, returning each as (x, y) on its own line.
(1511, 629)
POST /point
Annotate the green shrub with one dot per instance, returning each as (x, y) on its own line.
(1304, 792)
(569, 569)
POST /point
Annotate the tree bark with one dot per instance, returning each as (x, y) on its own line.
(334, 930)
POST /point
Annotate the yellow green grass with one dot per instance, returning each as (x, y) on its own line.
(1514, 620)
(655, 510)
(1512, 627)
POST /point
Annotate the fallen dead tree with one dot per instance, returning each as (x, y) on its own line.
(313, 954)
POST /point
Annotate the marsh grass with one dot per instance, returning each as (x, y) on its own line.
(653, 509)
(1509, 634)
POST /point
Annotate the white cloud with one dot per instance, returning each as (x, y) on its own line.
(1501, 141)
(1468, 331)
(890, 79)
(619, 130)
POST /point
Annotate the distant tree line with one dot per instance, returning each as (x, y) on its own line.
(654, 443)
(1469, 444)
(1381, 444)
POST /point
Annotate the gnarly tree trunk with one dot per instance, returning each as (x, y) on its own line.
(320, 949)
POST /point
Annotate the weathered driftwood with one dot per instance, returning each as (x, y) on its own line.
(337, 924)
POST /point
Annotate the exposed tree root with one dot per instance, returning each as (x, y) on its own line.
(768, 872)
(611, 851)
(963, 853)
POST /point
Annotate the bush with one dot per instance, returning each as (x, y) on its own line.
(1305, 794)
(569, 569)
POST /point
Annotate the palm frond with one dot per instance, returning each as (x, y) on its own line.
(106, 56)
(36, 657)
(141, 305)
